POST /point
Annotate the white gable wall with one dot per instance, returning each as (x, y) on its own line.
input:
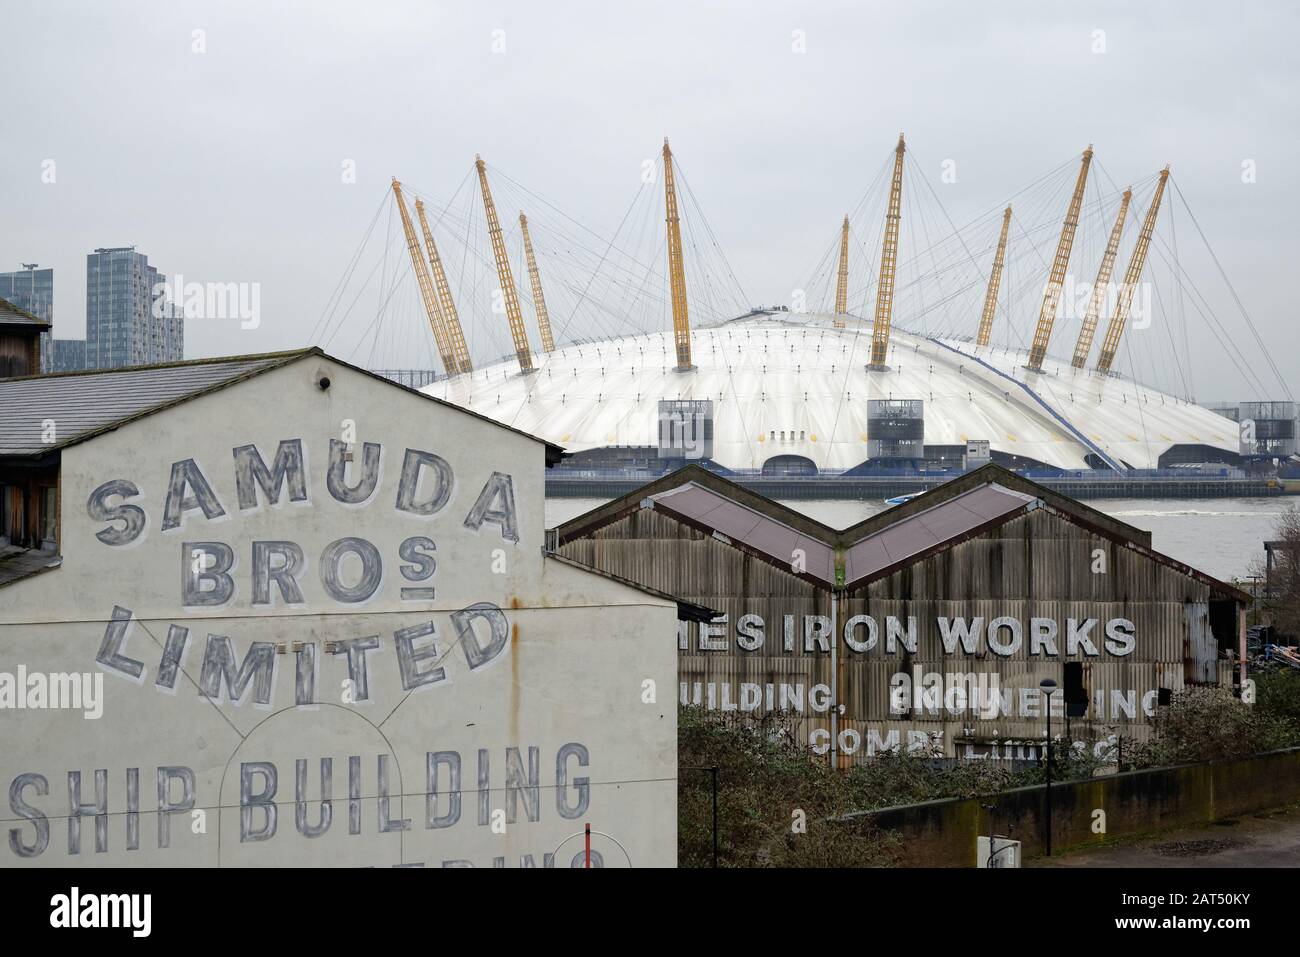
(558, 696)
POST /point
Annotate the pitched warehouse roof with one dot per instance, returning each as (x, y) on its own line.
(965, 506)
(11, 315)
(739, 523)
(915, 534)
(85, 404)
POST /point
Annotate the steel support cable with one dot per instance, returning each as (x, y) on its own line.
(564, 328)
(1183, 377)
(347, 312)
(978, 271)
(1173, 350)
(1202, 306)
(853, 214)
(1268, 356)
(1189, 384)
(739, 288)
(551, 225)
(335, 296)
(606, 282)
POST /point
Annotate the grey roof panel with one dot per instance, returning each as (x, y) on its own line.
(11, 315)
(867, 554)
(819, 560)
(992, 500)
(748, 527)
(773, 538)
(924, 530)
(734, 520)
(895, 543)
(83, 404)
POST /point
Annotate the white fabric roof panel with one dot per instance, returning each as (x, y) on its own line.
(785, 384)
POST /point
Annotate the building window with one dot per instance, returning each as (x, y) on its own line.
(50, 516)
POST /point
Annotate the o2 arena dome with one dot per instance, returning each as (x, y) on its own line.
(790, 390)
(851, 390)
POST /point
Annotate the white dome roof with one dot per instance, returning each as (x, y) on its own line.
(802, 376)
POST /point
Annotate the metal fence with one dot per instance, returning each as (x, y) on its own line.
(411, 378)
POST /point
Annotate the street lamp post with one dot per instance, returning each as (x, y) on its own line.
(1049, 686)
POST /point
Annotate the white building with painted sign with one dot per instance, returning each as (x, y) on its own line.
(286, 612)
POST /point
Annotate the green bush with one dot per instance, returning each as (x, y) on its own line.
(781, 805)
(768, 783)
(1206, 724)
(1277, 692)
(774, 800)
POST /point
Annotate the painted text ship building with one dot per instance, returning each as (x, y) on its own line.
(281, 611)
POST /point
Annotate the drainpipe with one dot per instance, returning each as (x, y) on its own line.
(1241, 645)
(835, 680)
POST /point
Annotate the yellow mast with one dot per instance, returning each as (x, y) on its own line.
(449, 363)
(676, 267)
(995, 280)
(888, 260)
(539, 301)
(842, 287)
(1052, 294)
(508, 292)
(1110, 345)
(446, 305)
(1089, 328)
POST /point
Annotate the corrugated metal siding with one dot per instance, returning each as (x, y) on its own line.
(1038, 565)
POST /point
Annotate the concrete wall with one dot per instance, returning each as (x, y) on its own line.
(943, 833)
(531, 731)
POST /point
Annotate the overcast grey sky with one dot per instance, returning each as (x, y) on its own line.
(225, 164)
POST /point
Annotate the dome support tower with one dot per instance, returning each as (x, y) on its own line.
(539, 301)
(995, 280)
(1056, 279)
(508, 291)
(427, 294)
(888, 262)
(446, 305)
(676, 267)
(1110, 345)
(1099, 288)
(842, 286)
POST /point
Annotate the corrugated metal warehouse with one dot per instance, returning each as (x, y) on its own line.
(989, 584)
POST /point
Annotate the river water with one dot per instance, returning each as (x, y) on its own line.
(1221, 537)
